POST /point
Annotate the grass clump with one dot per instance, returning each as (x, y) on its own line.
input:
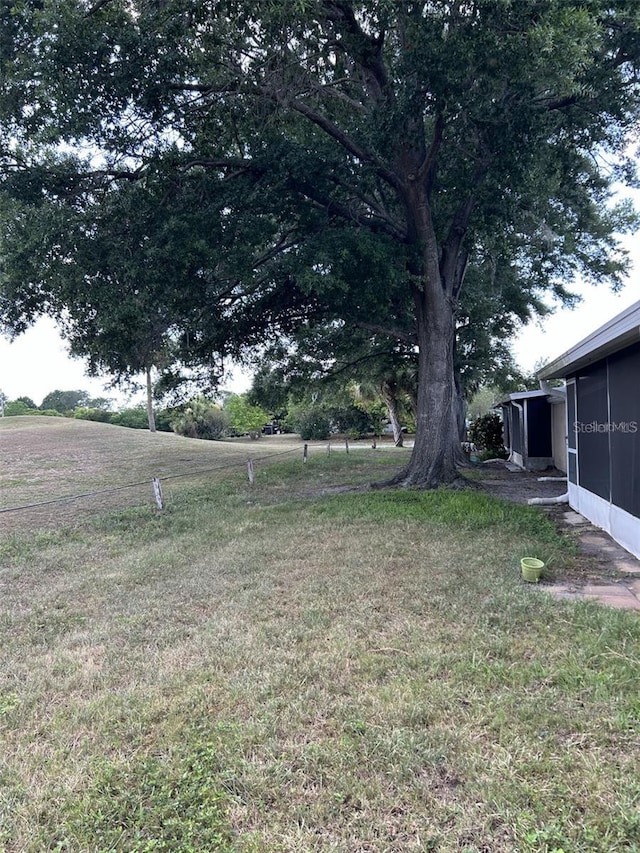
(151, 803)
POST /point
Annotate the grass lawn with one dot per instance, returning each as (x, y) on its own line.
(291, 667)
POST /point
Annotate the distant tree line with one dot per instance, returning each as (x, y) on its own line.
(237, 415)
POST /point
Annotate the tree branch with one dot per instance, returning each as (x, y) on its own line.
(369, 53)
(427, 168)
(450, 264)
(396, 334)
(346, 142)
(373, 356)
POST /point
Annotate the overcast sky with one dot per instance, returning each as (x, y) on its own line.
(36, 363)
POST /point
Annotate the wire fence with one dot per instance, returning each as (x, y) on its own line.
(79, 507)
(165, 477)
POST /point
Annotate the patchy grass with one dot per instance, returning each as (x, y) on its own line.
(111, 467)
(287, 668)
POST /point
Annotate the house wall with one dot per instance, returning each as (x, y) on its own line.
(607, 437)
(527, 433)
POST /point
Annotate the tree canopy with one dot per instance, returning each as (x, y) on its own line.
(64, 401)
(375, 161)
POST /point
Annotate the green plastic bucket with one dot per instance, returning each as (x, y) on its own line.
(531, 569)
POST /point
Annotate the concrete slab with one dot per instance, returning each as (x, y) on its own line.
(627, 565)
(618, 595)
(620, 602)
(605, 589)
(565, 595)
(574, 518)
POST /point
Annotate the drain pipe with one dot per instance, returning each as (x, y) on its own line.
(561, 499)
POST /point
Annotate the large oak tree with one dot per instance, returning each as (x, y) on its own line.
(462, 134)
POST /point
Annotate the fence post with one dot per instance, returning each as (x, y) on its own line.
(250, 470)
(157, 491)
(346, 444)
(305, 453)
(329, 449)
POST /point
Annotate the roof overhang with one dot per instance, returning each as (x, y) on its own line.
(618, 333)
(554, 395)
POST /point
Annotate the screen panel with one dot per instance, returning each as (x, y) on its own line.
(516, 430)
(571, 416)
(539, 427)
(624, 395)
(506, 432)
(592, 419)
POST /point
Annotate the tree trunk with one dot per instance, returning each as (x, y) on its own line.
(460, 410)
(150, 414)
(437, 447)
(391, 403)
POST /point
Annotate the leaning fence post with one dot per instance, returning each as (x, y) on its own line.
(346, 444)
(157, 491)
(250, 470)
(305, 453)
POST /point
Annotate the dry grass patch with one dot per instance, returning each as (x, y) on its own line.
(47, 458)
(356, 672)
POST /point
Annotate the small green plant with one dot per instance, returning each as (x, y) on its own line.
(150, 804)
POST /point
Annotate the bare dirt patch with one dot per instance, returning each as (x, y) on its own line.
(520, 486)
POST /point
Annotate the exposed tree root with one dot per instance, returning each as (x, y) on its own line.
(406, 480)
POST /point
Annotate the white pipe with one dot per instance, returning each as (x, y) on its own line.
(561, 499)
(552, 479)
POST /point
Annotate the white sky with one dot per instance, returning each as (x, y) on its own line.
(37, 362)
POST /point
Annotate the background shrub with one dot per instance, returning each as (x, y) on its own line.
(202, 418)
(353, 421)
(135, 418)
(313, 424)
(17, 407)
(86, 414)
(486, 433)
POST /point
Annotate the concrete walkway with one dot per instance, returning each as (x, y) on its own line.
(621, 591)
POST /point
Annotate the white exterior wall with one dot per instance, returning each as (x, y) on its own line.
(619, 524)
(559, 435)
